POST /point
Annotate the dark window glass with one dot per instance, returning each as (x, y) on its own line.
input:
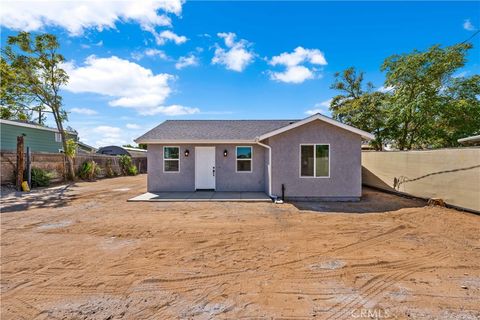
(171, 153)
(306, 165)
(322, 154)
(171, 165)
(244, 165)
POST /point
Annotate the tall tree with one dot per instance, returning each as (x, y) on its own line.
(418, 79)
(14, 99)
(359, 107)
(460, 111)
(38, 63)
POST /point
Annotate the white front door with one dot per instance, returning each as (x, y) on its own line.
(204, 167)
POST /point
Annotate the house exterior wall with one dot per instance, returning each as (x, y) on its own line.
(345, 178)
(38, 140)
(227, 179)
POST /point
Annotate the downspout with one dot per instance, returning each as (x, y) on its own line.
(269, 168)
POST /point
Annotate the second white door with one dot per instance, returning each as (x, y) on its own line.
(205, 168)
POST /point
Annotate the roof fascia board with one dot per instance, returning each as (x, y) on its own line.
(29, 125)
(294, 125)
(204, 141)
(469, 139)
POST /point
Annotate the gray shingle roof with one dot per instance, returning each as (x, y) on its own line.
(181, 130)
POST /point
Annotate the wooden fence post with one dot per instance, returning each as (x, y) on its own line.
(20, 162)
(29, 167)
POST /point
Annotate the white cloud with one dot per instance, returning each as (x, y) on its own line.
(156, 53)
(128, 85)
(149, 53)
(107, 135)
(173, 110)
(137, 55)
(236, 56)
(311, 112)
(299, 56)
(294, 62)
(132, 126)
(468, 25)
(84, 111)
(108, 131)
(190, 60)
(295, 74)
(167, 35)
(320, 107)
(384, 89)
(77, 16)
(460, 74)
(325, 104)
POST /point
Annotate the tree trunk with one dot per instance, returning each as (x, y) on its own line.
(70, 166)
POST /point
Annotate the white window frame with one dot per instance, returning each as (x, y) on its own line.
(179, 156)
(236, 159)
(315, 160)
(58, 137)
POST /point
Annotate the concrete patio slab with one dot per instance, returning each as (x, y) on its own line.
(201, 196)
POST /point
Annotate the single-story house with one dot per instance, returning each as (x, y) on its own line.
(38, 138)
(118, 151)
(85, 148)
(313, 158)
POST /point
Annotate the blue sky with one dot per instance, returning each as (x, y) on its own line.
(134, 64)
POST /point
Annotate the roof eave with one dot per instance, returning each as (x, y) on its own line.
(469, 139)
(191, 141)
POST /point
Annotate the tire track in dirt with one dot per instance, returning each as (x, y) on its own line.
(408, 265)
(221, 274)
(373, 267)
(353, 246)
(24, 310)
(378, 284)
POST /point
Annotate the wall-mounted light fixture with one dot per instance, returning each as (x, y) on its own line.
(225, 153)
(187, 152)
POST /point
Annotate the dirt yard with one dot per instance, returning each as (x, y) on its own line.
(83, 252)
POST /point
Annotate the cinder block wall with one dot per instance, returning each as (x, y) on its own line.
(55, 163)
(450, 174)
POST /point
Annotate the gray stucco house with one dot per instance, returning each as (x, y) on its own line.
(314, 158)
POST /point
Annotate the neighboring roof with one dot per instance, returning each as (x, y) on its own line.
(117, 150)
(86, 146)
(197, 131)
(31, 125)
(210, 130)
(134, 149)
(472, 139)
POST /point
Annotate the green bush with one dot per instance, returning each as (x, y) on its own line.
(109, 172)
(132, 170)
(89, 170)
(127, 166)
(40, 177)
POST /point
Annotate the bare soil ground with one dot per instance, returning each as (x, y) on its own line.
(83, 252)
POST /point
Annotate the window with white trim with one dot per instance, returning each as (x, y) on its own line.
(315, 160)
(244, 159)
(58, 137)
(171, 159)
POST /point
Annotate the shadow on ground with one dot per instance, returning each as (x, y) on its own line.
(371, 201)
(42, 198)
